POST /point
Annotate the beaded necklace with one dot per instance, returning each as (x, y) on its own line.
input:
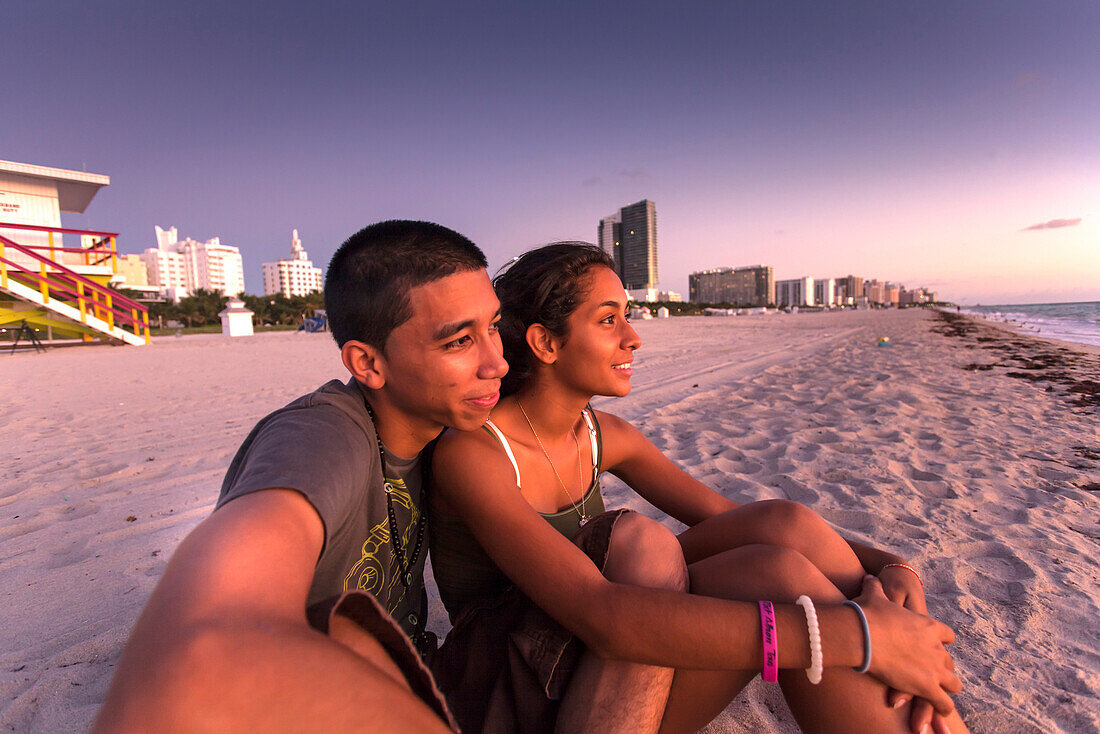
(398, 548)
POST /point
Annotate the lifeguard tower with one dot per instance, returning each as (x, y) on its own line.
(56, 289)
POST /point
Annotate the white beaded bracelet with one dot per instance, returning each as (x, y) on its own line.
(814, 671)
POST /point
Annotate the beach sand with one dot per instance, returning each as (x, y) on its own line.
(971, 450)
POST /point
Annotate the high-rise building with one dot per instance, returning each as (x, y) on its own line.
(293, 277)
(639, 244)
(166, 238)
(794, 292)
(179, 268)
(875, 291)
(166, 269)
(825, 291)
(630, 237)
(850, 289)
(920, 295)
(133, 275)
(132, 271)
(753, 285)
(609, 238)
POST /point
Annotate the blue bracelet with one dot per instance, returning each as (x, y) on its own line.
(866, 637)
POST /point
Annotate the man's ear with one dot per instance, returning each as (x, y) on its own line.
(366, 363)
(542, 343)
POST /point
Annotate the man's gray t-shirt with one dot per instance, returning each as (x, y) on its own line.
(323, 445)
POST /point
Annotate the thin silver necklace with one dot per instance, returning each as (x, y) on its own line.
(580, 473)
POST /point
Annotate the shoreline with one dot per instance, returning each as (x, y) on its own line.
(1082, 330)
(114, 455)
(1067, 366)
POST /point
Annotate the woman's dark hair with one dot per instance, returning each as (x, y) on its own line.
(542, 286)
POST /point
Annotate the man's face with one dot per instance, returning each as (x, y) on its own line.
(443, 365)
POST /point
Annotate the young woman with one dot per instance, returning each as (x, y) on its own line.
(528, 562)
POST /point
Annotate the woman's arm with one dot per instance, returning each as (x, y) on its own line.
(900, 581)
(633, 458)
(661, 627)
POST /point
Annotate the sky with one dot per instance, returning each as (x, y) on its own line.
(948, 145)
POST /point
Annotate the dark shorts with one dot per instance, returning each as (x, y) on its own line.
(365, 611)
(506, 663)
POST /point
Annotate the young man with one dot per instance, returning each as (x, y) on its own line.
(313, 506)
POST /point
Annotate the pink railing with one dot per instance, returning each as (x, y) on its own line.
(56, 281)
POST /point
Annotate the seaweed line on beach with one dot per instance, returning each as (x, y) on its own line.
(1029, 359)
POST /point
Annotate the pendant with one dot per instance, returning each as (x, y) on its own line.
(585, 518)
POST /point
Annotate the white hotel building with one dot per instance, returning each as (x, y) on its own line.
(293, 277)
(794, 292)
(180, 268)
(825, 292)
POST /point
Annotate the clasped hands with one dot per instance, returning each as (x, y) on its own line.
(913, 649)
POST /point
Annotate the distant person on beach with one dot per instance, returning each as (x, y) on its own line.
(550, 622)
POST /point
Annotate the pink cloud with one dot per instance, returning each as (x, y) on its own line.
(1053, 224)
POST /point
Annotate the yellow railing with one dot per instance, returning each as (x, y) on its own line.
(56, 281)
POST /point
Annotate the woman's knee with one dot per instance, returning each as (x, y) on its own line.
(643, 552)
(791, 520)
(774, 572)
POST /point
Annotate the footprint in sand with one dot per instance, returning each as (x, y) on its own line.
(912, 527)
(1055, 475)
(71, 554)
(755, 443)
(805, 452)
(794, 490)
(856, 449)
(923, 476)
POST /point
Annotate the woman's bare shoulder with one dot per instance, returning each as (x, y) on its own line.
(621, 439)
(476, 453)
(613, 426)
(454, 443)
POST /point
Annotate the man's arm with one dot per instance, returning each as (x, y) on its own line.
(223, 644)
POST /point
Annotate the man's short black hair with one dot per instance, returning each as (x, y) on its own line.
(369, 278)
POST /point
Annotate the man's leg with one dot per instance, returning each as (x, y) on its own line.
(614, 695)
(844, 701)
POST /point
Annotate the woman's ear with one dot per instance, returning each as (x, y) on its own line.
(365, 362)
(543, 344)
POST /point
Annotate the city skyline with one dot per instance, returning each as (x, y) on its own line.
(938, 146)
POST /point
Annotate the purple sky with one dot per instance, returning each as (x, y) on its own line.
(916, 142)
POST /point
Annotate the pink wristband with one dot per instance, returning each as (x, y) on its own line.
(770, 671)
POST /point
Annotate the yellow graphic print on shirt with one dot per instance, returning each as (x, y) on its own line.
(369, 574)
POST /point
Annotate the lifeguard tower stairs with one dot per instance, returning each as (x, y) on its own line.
(61, 292)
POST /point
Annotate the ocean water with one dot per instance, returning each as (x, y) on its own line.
(1071, 322)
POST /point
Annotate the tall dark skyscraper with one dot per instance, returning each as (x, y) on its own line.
(610, 238)
(630, 237)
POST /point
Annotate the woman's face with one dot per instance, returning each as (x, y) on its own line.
(598, 352)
